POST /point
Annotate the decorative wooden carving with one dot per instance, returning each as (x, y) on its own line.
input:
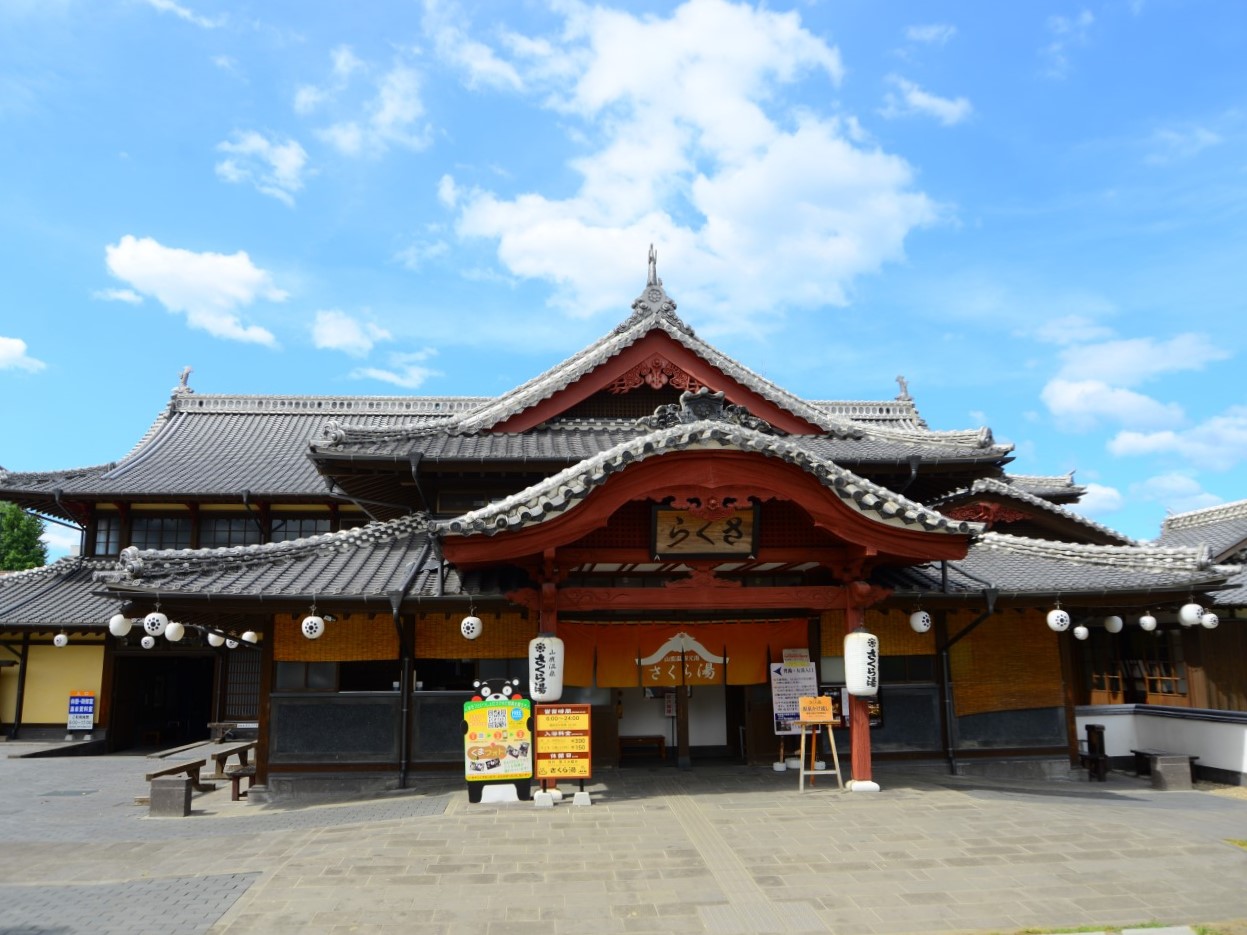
(985, 512)
(703, 577)
(655, 372)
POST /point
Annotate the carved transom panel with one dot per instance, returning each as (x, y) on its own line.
(989, 513)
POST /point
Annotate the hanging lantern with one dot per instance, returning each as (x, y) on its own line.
(155, 623)
(231, 643)
(920, 621)
(216, 639)
(471, 627)
(1058, 620)
(174, 631)
(1147, 622)
(60, 640)
(119, 624)
(148, 641)
(1081, 632)
(1209, 621)
(313, 627)
(545, 668)
(251, 637)
(1189, 614)
(861, 663)
(1113, 624)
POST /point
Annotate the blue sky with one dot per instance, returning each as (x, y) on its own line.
(1034, 211)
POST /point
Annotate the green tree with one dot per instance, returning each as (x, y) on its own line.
(20, 545)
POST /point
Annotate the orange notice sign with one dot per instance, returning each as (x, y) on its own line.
(564, 750)
(815, 710)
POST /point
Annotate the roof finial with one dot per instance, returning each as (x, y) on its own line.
(904, 385)
(183, 383)
(653, 279)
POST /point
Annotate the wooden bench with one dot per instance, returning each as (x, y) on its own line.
(236, 775)
(1143, 761)
(643, 743)
(220, 756)
(190, 768)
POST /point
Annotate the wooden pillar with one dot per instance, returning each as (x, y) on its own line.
(859, 708)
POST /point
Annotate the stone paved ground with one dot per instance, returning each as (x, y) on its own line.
(719, 850)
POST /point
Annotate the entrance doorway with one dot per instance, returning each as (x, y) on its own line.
(160, 701)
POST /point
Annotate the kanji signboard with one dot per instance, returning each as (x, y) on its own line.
(564, 749)
(681, 533)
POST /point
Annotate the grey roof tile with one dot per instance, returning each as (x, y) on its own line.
(59, 594)
(1223, 528)
(1006, 490)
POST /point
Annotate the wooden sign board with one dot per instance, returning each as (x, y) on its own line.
(680, 533)
(564, 749)
(816, 709)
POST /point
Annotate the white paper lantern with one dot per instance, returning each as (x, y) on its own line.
(251, 637)
(1209, 621)
(920, 621)
(1147, 622)
(861, 663)
(216, 639)
(1081, 632)
(1113, 624)
(313, 627)
(231, 643)
(119, 624)
(545, 668)
(148, 641)
(174, 631)
(471, 627)
(60, 640)
(155, 623)
(1058, 620)
(1189, 614)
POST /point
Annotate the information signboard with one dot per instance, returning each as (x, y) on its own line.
(564, 748)
(788, 684)
(81, 711)
(497, 743)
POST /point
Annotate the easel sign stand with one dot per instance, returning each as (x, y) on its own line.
(816, 713)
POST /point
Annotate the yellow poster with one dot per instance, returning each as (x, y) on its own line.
(497, 742)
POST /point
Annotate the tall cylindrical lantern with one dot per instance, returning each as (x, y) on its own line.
(545, 668)
(861, 663)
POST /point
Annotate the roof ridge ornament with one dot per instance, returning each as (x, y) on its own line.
(183, 386)
(704, 406)
(653, 302)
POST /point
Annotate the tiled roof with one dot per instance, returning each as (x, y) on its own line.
(1005, 490)
(1223, 528)
(561, 491)
(1015, 565)
(59, 594)
(1236, 594)
(1058, 486)
(218, 445)
(361, 564)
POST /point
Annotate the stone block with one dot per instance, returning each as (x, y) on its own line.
(171, 797)
(1171, 772)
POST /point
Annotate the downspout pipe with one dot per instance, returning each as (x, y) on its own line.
(246, 502)
(406, 652)
(950, 747)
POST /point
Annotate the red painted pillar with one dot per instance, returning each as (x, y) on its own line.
(859, 708)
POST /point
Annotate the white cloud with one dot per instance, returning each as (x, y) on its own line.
(1071, 329)
(128, 296)
(13, 356)
(391, 118)
(416, 255)
(1218, 444)
(405, 370)
(208, 288)
(1066, 32)
(274, 168)
(1177, 491)
(911, 99)
(1099, 500)
(447, 191)
(452, 45)
(1080, 405)
(1170, 145)
(932, 33)
(60, 541)
(760, 204)
(181, 12)
(337, 331)
(1132, 361)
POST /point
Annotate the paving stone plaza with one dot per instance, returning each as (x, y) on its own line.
(714, 849)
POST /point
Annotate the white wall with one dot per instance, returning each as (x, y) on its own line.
(1218, 744)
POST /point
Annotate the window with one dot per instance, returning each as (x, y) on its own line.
(299, 527)
(107, 535)
(161, 532)
(906, 669)
(218, 532)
